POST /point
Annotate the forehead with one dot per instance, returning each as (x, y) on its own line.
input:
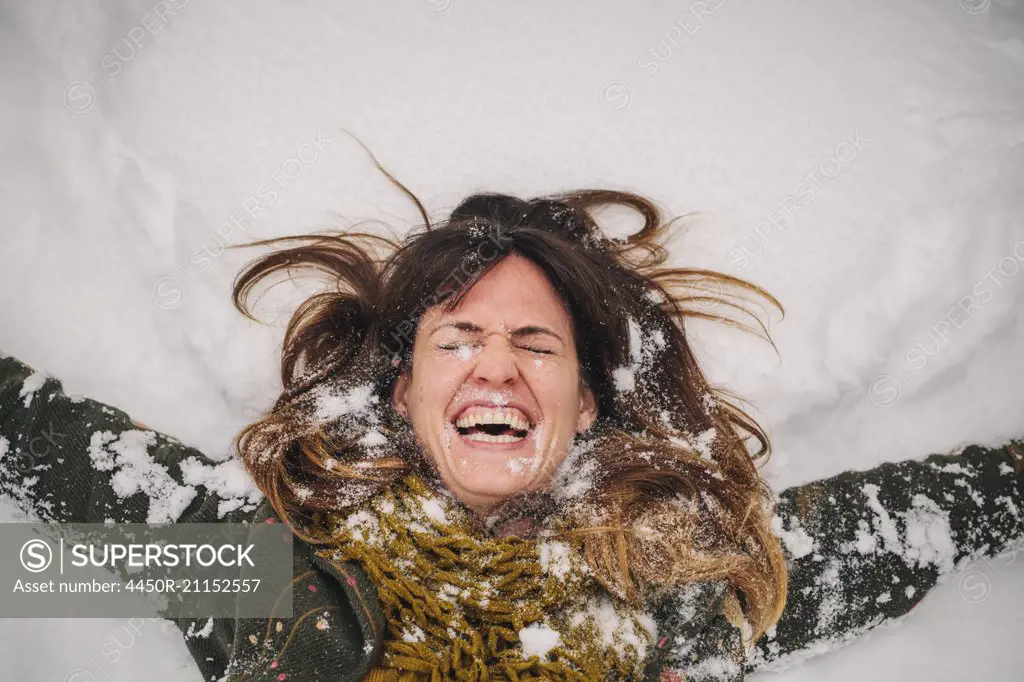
(514, 293)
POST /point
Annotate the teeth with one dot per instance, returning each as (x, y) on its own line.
(488, 438)
(475, 416)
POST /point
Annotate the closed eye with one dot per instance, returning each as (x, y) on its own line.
(456, 346)
(535, 349)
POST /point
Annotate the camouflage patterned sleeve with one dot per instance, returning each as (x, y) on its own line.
(864, 547)
(74, 460)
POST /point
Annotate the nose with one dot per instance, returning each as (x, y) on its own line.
(495, 363)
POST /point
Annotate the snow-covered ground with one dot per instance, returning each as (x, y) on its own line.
(864, 161)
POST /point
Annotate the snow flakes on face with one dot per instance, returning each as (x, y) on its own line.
(519, 465)
(499, 398)
(466, 351)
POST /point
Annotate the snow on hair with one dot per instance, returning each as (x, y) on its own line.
(674, 494)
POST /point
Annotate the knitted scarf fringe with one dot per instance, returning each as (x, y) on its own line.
(457, 604)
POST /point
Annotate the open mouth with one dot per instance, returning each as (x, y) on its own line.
(484, 424)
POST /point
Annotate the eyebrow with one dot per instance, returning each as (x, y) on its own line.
(528, 330)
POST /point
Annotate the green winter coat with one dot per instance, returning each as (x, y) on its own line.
(862, 547)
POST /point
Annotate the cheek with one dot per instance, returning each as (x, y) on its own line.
(435, 380)
(555, 384)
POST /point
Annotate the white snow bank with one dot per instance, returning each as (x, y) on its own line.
(861, 160)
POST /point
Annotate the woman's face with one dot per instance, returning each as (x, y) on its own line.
(494, 394)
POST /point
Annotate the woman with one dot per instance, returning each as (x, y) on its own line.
(501, 460)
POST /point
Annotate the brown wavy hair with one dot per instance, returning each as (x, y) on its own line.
(674, 493)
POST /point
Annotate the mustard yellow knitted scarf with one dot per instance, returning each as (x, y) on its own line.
(465, 606)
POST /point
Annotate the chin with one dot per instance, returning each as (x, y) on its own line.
(496, 487)
(490, 484)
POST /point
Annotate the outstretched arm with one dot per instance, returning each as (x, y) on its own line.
(863, 547)
(75, 460)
